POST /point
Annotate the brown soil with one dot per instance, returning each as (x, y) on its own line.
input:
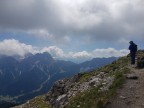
(131, 94)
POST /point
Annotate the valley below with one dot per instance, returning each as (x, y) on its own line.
(21, 80)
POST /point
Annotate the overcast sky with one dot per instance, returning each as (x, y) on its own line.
(71, 28)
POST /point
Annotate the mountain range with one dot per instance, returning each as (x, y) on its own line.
(23, 79)
(105, 87)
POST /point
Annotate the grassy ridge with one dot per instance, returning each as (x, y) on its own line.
(96, 99)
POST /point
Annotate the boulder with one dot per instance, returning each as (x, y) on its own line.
(140, 62)
(95, 81)
(132, 76)
(61, 100)
(101, 75)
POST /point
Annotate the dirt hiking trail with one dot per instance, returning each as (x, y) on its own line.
(131, 94)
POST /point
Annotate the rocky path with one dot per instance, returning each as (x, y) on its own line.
(131, 95)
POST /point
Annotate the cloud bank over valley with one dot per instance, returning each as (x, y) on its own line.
(12, 47)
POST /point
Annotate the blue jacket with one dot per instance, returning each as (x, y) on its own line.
(132, 48)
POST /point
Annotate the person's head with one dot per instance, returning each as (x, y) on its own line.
(131, 42)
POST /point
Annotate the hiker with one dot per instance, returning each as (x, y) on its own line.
(133, 50)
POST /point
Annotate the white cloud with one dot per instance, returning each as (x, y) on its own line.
(82, 54)
(109, 52)
(11, 47)
(97, 53)
(54, 51)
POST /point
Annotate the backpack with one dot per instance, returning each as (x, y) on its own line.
(135, 48)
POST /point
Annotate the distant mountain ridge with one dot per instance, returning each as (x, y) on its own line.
(96, 63)
(34, 75)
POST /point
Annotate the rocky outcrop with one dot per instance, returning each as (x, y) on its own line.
(140, 62)
(140, 59)
(63, 90)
